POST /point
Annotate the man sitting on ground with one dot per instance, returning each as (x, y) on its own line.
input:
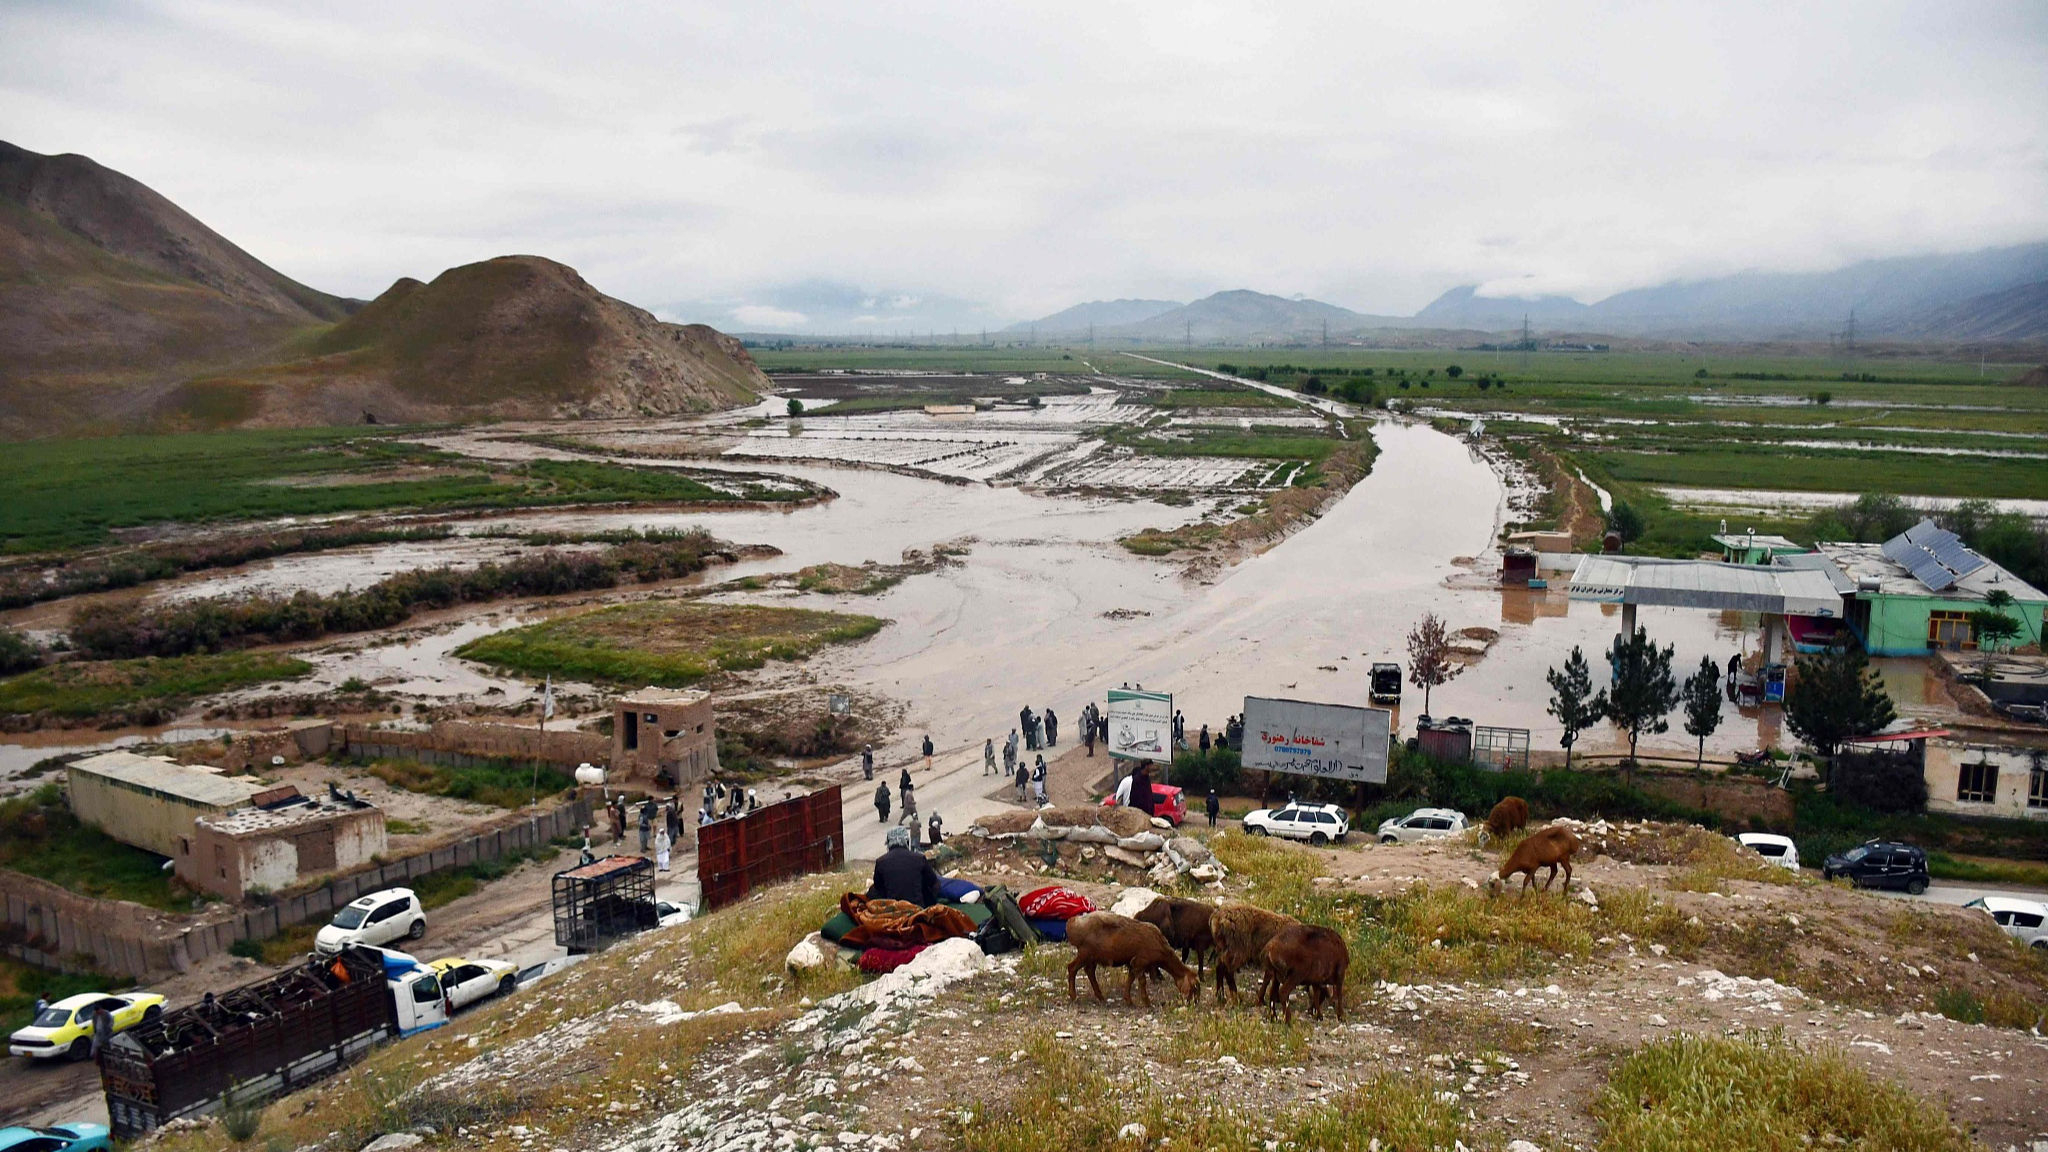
(904, 874)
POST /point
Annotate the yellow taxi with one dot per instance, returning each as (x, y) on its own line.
(65, 1027)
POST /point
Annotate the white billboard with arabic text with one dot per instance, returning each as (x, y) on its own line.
(1141, 724)
(1333, 741)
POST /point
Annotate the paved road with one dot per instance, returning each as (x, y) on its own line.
(1957, 894)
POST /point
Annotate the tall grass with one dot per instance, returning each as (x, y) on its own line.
(139, 691)
(666, 643)
(1709, 1094)
(40, 836)
(501, 784)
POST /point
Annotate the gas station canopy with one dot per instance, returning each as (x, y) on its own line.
(1638, 580)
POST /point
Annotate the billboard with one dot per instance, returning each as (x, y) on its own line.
(1333, 741)
(1141, 724)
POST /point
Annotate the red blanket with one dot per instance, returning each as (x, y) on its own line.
(899, 924)
(1055, 904)
(884, 960)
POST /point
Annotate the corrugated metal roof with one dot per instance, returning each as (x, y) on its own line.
(1706, 584)
(172, 780)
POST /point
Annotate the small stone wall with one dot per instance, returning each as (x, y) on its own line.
(463, 743)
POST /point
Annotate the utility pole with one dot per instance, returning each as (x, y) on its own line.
(1528, 342)
(1849, 337)
(1091, 337)
(1189, 337)
(1326, 335)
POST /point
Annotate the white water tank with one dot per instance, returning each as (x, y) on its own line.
(588, 773)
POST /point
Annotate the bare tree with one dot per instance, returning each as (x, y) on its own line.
(1429, 656)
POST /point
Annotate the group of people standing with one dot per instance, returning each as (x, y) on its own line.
(907, 793)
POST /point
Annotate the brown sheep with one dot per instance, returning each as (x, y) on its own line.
(1242, 933)
(1106, 938)
(1304, 954)
(1510, 815)
(1186, 925)
(1551, 846)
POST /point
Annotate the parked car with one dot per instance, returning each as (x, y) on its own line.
(465, 982)
(1880, 864)
(1386, 684)
(2024, 920)
(1315, 823)
(79, 1137)
(669, 913)
(65, 1027)
(379, 918)
(1422, 824)
(1168, 801)
(1777, 849)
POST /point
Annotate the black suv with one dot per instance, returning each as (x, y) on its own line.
(1880, 864)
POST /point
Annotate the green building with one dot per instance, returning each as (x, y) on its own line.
(1752, 548)
(1917, 591)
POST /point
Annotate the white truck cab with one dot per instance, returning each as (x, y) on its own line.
(417, 1000)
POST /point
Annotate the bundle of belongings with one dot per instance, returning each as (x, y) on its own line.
(890, 933)
(1049, 909)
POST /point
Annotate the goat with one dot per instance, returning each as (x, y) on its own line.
(1510, 815)
(1242, 933)
(1551, 846)
(1304, 954)
(1186, 926)
(1106, 938)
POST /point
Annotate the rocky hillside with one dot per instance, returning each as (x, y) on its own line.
(118, 309)
(517, 336)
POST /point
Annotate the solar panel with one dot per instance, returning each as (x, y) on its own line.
(1920, 533)
(1930, 572)
(1935, 556)
(1899, 551)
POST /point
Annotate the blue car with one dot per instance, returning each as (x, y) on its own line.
(57, 1138)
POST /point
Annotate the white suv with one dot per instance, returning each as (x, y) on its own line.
(1422, 824)
(379, 918)
(2024, 920)
(1779, 850)
(1315, 823)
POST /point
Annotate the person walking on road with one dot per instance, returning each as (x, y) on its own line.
(988, 757)
(646, 823)
(1052, 728)
(882, 803)
(1023, 779)
(661, 847)
(1213, 807)
(1038, 781)
(1010, 754)
(867, 762)
(1088, 730)
(1204, 740)
(927, 751)
(909, 809)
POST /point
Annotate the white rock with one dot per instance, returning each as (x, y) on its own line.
(1523, 1146)
(808, 953)
(1134, 901)
(1161, 822)
(1586, 894)
(1133, 1131)
(394, 1141)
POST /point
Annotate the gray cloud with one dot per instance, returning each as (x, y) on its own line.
(1025, 158)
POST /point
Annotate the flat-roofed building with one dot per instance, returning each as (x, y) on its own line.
(662, 733)
(273, 848)
(149, 802)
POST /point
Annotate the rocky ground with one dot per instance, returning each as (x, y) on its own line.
(1474, 1020)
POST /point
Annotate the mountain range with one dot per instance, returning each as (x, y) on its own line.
(119, 309)
(1994, 295)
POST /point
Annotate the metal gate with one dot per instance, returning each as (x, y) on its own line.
(797, 836)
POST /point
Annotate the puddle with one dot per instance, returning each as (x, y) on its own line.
(28, 749)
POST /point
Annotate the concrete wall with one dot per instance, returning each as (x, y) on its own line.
(2016, 769)
(155, 823)
(467, 742)
(47, 926)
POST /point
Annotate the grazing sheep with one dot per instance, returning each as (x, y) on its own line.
(1551, 846)
(1304, 954)
(1106, 938)
(1510, 815)
(1186, 926)
(1242, 933)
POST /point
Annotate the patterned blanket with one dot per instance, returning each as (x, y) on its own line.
(899, 923)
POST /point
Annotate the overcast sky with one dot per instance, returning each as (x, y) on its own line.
(762, 165)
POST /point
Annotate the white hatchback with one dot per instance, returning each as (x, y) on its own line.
(1779, 850)
(1422, 824)
(2024, 920)
(379, 918)
(1315, 823)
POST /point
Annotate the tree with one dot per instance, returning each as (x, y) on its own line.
(1703, 705)
(1572, 701)
(1643, 693)
(17, 654)
(1484, 383)
(1624, 521)
(796, 406)
(1990, 625)
(1835, 695)
(1823, 398)
(1429, 656)
(1454, 371)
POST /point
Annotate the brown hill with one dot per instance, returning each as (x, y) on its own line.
(517, 336)
(107, 288)
(118, 308)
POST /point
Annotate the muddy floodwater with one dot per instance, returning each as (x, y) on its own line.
(1048, 609)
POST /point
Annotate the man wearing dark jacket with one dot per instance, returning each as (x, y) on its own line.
(903, 874)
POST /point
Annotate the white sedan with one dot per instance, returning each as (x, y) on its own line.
(1422, 824)
(1315, 823)
(1779, 850)
(2024, 920)
(467, 981)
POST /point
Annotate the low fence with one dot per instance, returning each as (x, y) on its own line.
(792, 838)
(467, 743)
(50, 927)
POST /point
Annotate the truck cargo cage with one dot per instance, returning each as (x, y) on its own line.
(597, 903)
(260, 1040)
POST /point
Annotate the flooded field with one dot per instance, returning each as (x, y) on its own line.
(1764, 502)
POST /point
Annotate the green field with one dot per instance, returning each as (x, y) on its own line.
(665, 642)
(58, 494)
(39, 836)
(117, 688)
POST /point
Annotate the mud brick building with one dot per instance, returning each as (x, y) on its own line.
(151, 803)
(272, 848)
(662, 732)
